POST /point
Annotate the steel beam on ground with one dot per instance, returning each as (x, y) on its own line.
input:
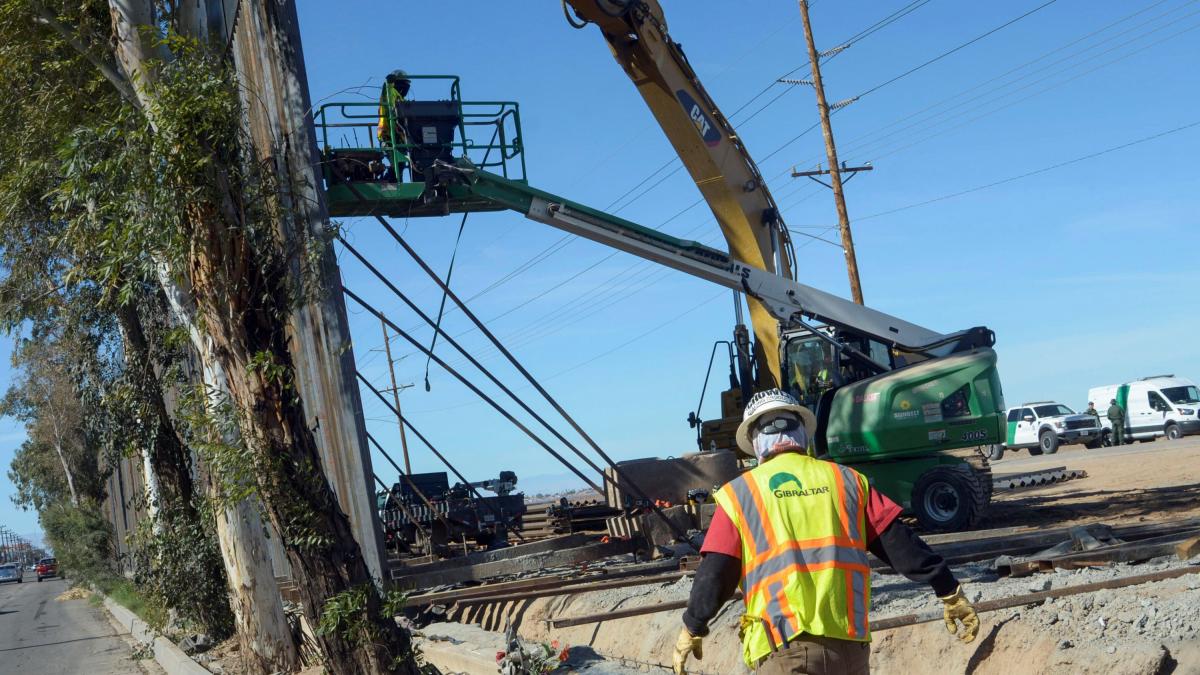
(564, 542)
(504, 588)
(575, 589)
(1127, 552)
(521, 565)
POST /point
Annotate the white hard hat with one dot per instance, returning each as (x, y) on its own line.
(771, 400)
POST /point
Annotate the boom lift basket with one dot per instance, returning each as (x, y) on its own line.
(392, 168)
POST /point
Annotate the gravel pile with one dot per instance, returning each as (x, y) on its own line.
(1177, 617)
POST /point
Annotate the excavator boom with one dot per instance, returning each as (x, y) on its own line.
(708, 146)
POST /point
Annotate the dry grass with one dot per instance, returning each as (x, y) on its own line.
(74, 594)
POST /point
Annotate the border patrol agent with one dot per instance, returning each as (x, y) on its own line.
(794, 533)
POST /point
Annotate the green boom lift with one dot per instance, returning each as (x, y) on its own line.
(909, 407)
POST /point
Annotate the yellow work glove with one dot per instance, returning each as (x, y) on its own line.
(958, 609)
(686, 644)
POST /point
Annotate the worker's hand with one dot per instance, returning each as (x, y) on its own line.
(957, 609)
(685, 645)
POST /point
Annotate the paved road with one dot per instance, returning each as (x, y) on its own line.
(41, 636)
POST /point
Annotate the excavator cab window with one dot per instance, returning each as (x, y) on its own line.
(813, 367)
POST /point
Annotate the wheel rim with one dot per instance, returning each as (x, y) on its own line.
(1046, 442)
(941, 501)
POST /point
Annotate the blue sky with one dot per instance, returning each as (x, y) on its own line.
(1086, 272)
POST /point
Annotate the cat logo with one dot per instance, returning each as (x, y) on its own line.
(704, 126)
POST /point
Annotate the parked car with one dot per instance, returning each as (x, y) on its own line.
(11, 572)
(47, 567)
(1043, 426)
(1161, 405)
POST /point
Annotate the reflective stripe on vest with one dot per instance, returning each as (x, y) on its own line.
(818, 561)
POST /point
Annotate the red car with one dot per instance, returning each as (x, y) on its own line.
(47, 567)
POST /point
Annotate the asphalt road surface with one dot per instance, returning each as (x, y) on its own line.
(42, 636)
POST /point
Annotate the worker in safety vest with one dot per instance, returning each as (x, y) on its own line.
(395, 90)
(795, 531)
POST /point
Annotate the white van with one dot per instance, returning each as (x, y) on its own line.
(1162, 405)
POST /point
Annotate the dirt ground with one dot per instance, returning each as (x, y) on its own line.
(1144, 482)
(1139, 630)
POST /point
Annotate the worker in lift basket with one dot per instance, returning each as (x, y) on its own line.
(795, 532)
(395, 90)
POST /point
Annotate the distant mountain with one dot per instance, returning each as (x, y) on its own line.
(549, 483)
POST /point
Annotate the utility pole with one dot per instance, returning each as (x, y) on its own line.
(387, 348)
(835, 174)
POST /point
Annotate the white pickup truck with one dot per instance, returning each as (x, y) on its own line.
(1042, 426)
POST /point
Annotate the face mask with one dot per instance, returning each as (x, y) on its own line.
(768, 445)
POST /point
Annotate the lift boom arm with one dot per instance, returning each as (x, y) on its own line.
(781, 298)
(708, 146)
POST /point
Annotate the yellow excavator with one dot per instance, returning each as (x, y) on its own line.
(911, 408)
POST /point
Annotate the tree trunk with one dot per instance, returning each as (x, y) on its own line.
(270, 65)
(262, 628)
(168, 458)
(62, 457)
(241, 295)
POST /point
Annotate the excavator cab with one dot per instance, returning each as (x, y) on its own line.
(389, 159)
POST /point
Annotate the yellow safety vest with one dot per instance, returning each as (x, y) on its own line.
(802, 523)
(388, 99)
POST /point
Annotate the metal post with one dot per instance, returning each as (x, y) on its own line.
(387, 349)
(835, 174)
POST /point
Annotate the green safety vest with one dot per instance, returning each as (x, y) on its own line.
(802, 523)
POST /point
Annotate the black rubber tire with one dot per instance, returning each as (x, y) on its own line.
(1035, 450)
(1173, 432)
(949, 498)
(995, 452)
(1048, 442)
(39, 580)
(1106, 439)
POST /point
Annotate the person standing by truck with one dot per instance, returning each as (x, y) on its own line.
(1116, 415)
(1091, 410)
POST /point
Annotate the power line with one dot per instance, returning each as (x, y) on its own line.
(1035, 172)
(859, 144)
(968, 43)
(859, 141)
(906, 74)
(1044, 90)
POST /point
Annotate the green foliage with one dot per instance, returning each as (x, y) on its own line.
(81, 538)
(394, 602)
(207, 421)
(177, 565)
(347, 615)
(127, 594)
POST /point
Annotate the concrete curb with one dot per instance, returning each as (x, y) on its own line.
(170, 657)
